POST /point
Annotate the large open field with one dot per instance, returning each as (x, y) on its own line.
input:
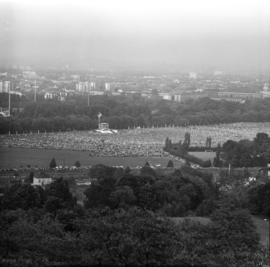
(128, 147)
(21, 157)
(140, 138)
(205, 155)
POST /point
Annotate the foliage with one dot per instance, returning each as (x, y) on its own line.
(123, 112)
(173, 195)
(247, 153)
(170, 164)
(259, 199)
(53, 163)
(126, 222)
(77, 164)
(181, 150)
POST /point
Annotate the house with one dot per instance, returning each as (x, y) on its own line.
(41, 181)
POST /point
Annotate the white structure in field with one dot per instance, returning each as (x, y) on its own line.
(41, 181)
(103, 126)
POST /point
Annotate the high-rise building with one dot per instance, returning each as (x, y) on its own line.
(1, 86)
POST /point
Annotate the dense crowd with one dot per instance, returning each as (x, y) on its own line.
(133, 142)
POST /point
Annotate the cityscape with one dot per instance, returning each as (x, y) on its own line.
(135, 133)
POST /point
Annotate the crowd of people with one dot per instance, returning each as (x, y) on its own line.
(133, 142)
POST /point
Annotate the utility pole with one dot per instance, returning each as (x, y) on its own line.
(88, 102)
(9, 101)
(35, 95)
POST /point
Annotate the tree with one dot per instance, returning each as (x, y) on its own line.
(170, 164)
(208, 142)
(127, 170)
(60, 189)
(186, 142)
(53, 204)
(23, 196)
(147, 171)
(77, 164)
(146, 164)
(122, 195)
(30, 178)
(53, 163)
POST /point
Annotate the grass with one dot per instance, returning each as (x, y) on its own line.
(202, 220)
(21, 157)
(203, 155)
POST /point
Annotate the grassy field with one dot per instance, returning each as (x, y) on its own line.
(21, 157)
(131, 147)
(83, 140)
(203, 155)
(202, 220)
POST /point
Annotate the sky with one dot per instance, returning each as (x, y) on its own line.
(172, 35)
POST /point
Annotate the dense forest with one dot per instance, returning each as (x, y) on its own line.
(132, 219)
(245, 153)
(123, 112)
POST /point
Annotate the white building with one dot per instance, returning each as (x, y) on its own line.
(165, 96)
(107, 87)
(85, 86)
(92, 85)
(192, 75)
(265, 92)
(4, 86)
(49, 95)
(177, 98)
(41, 181)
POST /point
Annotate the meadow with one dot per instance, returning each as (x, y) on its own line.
(21, 157)
(131, 147)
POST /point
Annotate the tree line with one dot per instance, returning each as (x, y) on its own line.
(123, 112)
(128, 219)
(245, 153)
(181, 150)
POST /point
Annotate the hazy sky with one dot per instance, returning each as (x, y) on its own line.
(137, 34)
